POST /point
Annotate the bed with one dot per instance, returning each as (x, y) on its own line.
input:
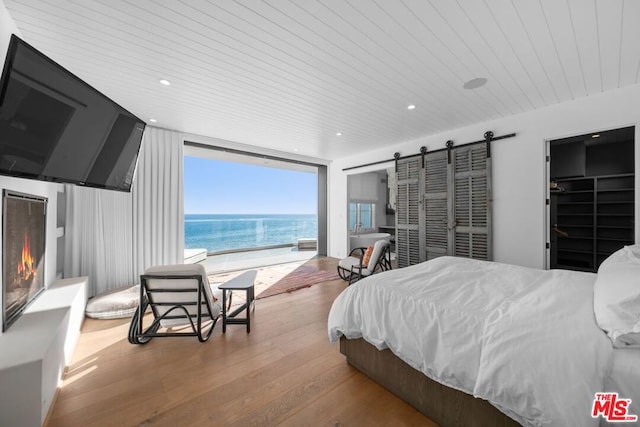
(497, 344)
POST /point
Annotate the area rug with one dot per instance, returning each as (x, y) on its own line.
(265, 277)
(302, 277)
(277, 279)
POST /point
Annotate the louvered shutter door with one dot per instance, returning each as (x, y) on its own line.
(408, 212)
(470, 202)
(435, 205)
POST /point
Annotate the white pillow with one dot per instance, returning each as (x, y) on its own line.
(616, 297)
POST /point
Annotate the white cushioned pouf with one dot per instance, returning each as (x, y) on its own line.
(115, 304)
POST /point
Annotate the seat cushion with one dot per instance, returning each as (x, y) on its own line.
(351, 261)
(115, 304)
(348, 262)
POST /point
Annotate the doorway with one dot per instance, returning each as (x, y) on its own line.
(371, 207)
(591, 198)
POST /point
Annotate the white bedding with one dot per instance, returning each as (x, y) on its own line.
(523, 339)
(624, 377)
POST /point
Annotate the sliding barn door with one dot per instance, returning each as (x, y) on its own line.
(409, 220)
(443, 205)
(435, 205)
(469, 183)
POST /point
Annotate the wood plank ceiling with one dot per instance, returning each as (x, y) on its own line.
(291, 74)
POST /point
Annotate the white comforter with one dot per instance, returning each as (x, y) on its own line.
(523, 339)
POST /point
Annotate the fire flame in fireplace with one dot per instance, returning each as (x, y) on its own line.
(27, 265)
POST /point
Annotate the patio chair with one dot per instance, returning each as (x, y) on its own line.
(182, 304)
(352, 268)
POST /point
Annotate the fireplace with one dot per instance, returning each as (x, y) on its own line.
(23, 247)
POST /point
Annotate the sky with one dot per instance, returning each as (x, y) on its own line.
(223, 187)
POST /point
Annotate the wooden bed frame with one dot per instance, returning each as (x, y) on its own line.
(442, 404)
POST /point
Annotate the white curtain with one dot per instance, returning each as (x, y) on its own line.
(158, 209)
(111, 236)
(98, 238)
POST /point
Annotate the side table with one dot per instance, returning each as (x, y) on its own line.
(243, 282)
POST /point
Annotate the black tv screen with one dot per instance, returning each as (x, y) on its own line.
(56, 127)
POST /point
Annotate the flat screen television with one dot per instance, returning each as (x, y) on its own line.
(55, 127)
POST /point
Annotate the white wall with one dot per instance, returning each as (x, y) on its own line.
(31, 364)
(38, 188)
(519, 171)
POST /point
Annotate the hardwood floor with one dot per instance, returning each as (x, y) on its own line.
(285, 372)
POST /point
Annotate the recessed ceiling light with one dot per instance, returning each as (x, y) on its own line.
(165, 82)
(411, 107)
(295, 149)
(339, 134)
(475, 83)
(153, 120)
(595, 135)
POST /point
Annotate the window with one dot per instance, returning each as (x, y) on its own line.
(232, 205)
(361, 216)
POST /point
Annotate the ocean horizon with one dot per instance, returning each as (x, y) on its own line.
(220, 232)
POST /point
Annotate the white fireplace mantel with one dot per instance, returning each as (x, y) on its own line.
(35, 350)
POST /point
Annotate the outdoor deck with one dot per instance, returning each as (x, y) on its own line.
(253, 259)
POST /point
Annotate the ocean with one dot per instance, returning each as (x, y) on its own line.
(219, 232)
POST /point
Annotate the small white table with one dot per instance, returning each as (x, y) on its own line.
(243, 282)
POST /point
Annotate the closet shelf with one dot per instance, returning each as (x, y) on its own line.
(607, 199)
(622, 241)
(575, 251)
(616, 202)
(571, 192)
(614, 190)
(575, 203)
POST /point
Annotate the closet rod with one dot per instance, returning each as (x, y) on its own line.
(496, 138)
